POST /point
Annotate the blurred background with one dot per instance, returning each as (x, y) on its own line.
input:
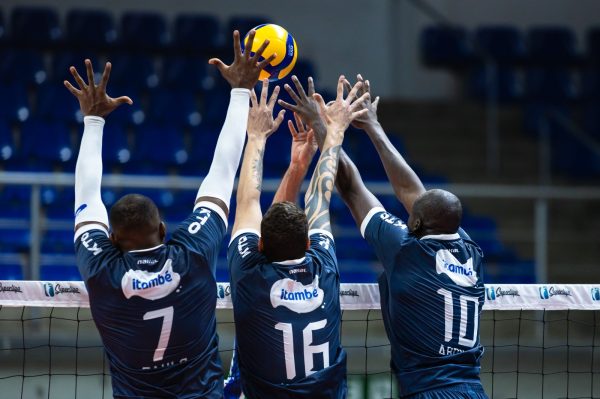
(496, 100)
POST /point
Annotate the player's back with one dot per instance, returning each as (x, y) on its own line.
(155, 310)
(432, 295)
(287, 318)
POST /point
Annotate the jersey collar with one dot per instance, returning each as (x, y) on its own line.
(291, 262)
(445, 237)
(146, 249)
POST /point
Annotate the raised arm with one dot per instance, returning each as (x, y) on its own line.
(405, 182)
(349, 183)
(95, 106)
(261, 125)
(336, 116)
(304, 147)
(242, 75)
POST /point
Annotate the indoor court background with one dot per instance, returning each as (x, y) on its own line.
(495, 100)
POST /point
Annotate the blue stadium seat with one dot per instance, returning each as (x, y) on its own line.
(504, 44)
(550, 84)
(90, 29)
(3, 32)
(162, 144)
(443, 46)
(135, 71)
(55, 102)
(593, 44)
(14, 240)
(49, 141)
(198, 33)
(143, 31)
(59, 273)
(62, 61)
(590, 85)
(506, 85)
(7, 143)
(355, 248)
(203, 142)
(214, 108)
(11, 271)
(22, 67)
(115, 147)
(14, 103)
(244, 24)
(552, 45)
(32, 26)
(58, 241)
(188, 73)
(176, 107)
(126, 114)
(58, 204)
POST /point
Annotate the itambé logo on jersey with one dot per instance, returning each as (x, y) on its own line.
(10, 288)
(491, 293)
(296, 296)
(547, 293)
(52, 290)
(150, 285)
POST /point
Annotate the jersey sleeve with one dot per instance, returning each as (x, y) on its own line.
(243, 253)
(322, 246)
(93, 250)
(202, 232)
(385, 233)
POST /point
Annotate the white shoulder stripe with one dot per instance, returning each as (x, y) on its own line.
(88, 227)
(213, 207)
(239, 232)
(367, 219)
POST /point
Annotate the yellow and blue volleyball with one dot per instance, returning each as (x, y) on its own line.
(280, 43)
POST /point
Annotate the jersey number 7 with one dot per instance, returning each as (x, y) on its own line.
(165, 331)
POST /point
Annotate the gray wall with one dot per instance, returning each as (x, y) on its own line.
(378, 38)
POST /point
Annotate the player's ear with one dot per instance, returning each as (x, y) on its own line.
(162, 231)
(307, 243)
(260, 244)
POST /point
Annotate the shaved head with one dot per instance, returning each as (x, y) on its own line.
(435, 212)
(135, 223)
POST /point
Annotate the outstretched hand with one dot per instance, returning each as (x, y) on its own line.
(304, 143)
(93, 99)
(370, 117)
(260, 118)
(306, 106)
(245, 69)
(338, 114)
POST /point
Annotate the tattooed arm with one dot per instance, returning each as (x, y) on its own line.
(336, 116)
(261, 125)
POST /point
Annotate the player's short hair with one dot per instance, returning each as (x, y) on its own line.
(134, 213)
(440, 210)
(284, 232)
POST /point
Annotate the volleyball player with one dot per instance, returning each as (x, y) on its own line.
(154, 304)
(432, 289)
(284, 273)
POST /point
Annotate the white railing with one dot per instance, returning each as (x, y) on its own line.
(540, 195)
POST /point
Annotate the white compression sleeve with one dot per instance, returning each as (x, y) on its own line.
(218, 182)
(88, 174)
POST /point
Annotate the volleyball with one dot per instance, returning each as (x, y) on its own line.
(280, 43)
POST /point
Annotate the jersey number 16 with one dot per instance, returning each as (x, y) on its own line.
(309, 349)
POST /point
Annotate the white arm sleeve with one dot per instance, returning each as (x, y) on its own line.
(88, 174)
(218, 182)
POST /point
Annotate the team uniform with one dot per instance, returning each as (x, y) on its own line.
(432, 293)
(155, 308)
(287, 320)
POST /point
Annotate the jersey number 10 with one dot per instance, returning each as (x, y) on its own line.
(464, 314)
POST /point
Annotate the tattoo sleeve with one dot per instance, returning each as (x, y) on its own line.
(318, 196)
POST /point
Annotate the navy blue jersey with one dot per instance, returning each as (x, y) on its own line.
(155, 309)
(431, 298)
(287, 320)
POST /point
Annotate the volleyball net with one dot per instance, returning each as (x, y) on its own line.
(541, 341)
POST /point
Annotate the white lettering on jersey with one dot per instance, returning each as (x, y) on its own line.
(243, 249)
(394, 221)
(150, 285)
(296, 296)
(87, 243)
(202, 218)
(462, 274)
(324, 242)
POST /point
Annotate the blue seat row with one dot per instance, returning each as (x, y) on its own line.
(455, 46)
(41, 26)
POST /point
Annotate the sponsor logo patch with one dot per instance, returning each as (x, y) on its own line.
(52, 290)
(150, 285)
(462, 274)
(548, 292)
(296, 296)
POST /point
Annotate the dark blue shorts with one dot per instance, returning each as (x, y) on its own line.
(459, 391)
